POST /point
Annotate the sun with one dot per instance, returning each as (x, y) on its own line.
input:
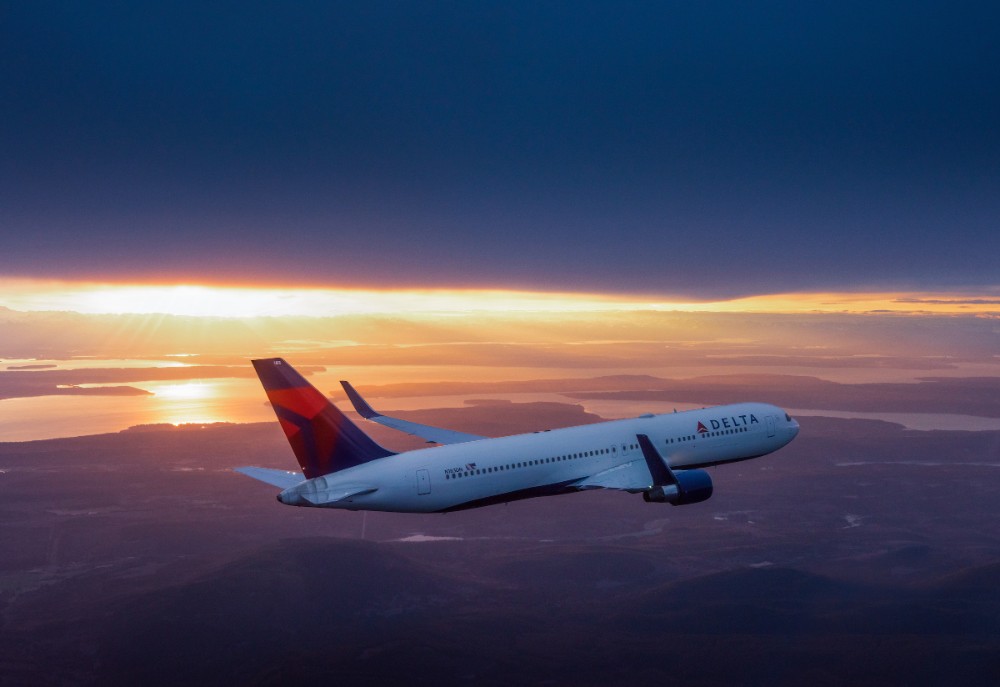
(247, 302)
(183, 300)
(191, 300)
(188, 391)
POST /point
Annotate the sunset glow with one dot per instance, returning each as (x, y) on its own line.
(185, 392)
(248, 302)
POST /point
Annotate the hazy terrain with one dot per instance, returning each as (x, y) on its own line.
(862, 552)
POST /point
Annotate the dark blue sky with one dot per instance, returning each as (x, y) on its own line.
(701, 148)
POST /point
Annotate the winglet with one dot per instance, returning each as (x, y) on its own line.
(361, 405)
(433, 435)
(662, 475)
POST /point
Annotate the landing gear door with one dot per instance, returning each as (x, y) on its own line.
(423, 482)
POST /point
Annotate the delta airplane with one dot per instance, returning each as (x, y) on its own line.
(658, 456)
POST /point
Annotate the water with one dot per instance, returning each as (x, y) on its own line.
(242, 400)
(199, 402)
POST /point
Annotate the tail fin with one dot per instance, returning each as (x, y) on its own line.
(324, 439)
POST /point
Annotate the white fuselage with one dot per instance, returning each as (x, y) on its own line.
(555, 461)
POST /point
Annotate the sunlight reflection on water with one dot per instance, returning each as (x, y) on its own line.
(202, 402)
(242, 400)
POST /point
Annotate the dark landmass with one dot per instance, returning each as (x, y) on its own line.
(22, 383)
(618, 354)
(863, 553)
(385, 615)
(27, 391)
(501, 419)
(603, 383)
(979, 396)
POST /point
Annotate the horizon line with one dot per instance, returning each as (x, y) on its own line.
(236, 301)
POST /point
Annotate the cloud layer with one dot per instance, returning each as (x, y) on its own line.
(708, 149)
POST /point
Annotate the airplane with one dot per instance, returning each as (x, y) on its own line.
(661, 457)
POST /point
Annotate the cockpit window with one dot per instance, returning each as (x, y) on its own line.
(788, 417)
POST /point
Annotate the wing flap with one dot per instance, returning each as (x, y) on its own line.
(637, 475)
(631, 476)
(435, 435)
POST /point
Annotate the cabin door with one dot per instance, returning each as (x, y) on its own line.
(423, 482)
(770, 425)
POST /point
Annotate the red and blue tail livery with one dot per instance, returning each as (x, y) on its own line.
(323, 439)
(657, 456)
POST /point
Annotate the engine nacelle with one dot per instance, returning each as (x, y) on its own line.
(693, 486)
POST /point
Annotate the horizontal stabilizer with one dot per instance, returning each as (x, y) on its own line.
(436, 435)
(277, 478)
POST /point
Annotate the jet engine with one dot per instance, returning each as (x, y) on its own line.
(693, 486)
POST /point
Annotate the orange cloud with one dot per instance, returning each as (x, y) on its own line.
(249, 302)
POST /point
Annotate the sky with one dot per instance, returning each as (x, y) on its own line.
(433, 192)
(704, 151)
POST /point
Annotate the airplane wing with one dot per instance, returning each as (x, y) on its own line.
(633, 476)
(434, 435)
(277, 478)
(637, 475)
